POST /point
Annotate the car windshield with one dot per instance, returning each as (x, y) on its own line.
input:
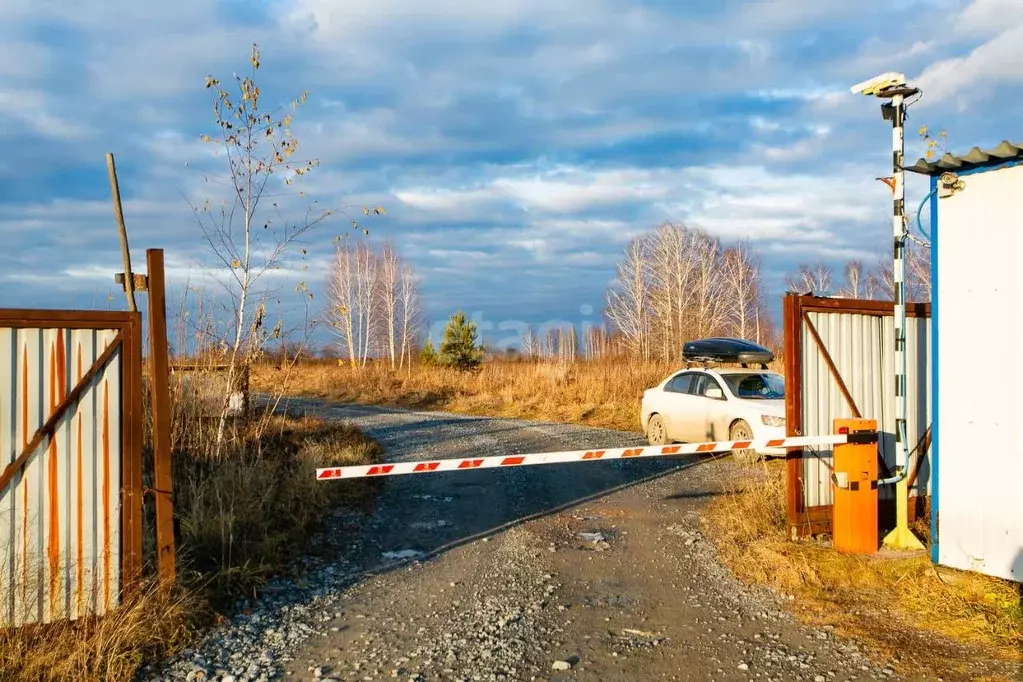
(756, 386)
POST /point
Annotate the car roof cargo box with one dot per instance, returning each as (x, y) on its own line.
(726, 350)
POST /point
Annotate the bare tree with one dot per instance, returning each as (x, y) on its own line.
(597, 341)
(884, 274)
(855, 284)
(342, 304)
(815, 279)
(918, 272)
(389, 294)
(628, 301)
(676, 283)
(408, 309)
(741, 273)
(367, 275)
(712, 311)
(530, 344)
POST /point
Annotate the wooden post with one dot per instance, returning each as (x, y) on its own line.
(115, 191)
(159, 381)
(792, 323)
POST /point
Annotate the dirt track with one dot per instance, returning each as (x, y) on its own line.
(483, 575)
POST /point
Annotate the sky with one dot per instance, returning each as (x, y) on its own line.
(516, 145)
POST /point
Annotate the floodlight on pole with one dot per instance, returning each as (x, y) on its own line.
(892, 86)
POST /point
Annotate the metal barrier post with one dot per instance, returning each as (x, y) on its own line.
(854, 483)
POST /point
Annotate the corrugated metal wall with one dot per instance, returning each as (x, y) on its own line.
(60, 521)
(862, 349)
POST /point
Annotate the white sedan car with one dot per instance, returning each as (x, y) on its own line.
(706, 405)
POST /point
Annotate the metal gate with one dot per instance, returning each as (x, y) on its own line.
(70, 462)
(839, 363)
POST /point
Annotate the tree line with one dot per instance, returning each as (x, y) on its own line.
(876, 282)
(676, 283)
(672, 284)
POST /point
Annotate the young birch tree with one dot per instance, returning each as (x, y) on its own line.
(247, 237)
(389, 294)
(408, 308)
(252, 229)
(341, 302)
(367, 275)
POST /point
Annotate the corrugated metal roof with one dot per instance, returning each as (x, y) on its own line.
(975, 158)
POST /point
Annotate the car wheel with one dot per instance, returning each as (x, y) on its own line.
(656, 433)
(740, 430)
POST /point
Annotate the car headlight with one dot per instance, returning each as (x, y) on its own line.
(771, 420)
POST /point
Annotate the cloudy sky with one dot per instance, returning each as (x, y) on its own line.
(517, 145)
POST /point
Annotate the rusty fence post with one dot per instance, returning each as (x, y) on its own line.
(159, 374)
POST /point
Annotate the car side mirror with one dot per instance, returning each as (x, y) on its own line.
(715, 393)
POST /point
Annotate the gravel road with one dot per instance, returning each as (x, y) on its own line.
(593, 571)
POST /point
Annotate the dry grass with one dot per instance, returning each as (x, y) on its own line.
(243, 516)
(865, 596)
(602, 393)
(240, 513)
(150, 624)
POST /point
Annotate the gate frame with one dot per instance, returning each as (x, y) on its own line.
(802, 520)
(129, 341)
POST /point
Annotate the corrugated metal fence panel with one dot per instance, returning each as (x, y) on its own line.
(60, 544)
(862, 349)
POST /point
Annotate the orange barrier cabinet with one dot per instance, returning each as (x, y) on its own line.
(854, 484)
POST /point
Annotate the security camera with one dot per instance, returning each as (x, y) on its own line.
(948, 184)
(879, 83)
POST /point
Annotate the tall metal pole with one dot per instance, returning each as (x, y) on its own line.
(899, 249)
(901, 537)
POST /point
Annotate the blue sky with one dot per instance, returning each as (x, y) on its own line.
(517, 145)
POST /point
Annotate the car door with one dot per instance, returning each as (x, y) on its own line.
(707, 413)
(677, 405)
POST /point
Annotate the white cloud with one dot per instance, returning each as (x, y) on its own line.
(32, 109)
(998, 61)
(988, 17)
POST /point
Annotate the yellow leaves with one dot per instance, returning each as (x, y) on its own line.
(236, 264)
(254, 59)
(922, 132)
(206, 138)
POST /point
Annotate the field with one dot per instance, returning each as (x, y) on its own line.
(604, 393)
(241, 514)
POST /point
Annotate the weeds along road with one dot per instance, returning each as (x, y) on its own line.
(583, 571)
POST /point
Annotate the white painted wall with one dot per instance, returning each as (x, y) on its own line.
(979, 294)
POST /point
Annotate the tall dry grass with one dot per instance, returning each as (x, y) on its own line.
(604, 393)
(149, 624)
(893, 602)
(240, 514)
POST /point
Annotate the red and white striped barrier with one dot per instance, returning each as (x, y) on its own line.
(430, 466)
